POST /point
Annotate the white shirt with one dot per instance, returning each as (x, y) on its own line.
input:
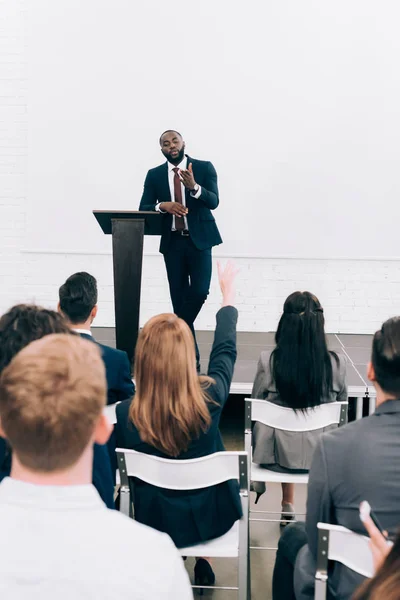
(61, 542)
(171, 174)
(84, 331)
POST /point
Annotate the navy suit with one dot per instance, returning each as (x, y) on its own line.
(190, 517)
(119, 387)
(187, 258)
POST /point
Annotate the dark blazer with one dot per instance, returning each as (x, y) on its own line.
(201, 223)
(193, 516)
(119, 387)
(359, 461)
(118, 372)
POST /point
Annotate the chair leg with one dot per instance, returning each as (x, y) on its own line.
(125, 501)
(320, 589)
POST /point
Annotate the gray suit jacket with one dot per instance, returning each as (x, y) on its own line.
(288, 449)
(357, 462)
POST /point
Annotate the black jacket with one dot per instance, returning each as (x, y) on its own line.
(203, 229)
(193, 516)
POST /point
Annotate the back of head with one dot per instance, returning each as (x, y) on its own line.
(301, 364)
(386, 356)
(51, 396)
(23, 324)
(170, 405)
(78, 297)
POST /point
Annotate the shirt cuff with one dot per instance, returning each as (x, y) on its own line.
(197, 194)
(158, 209)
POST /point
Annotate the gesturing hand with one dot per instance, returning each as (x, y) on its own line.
(187, 177)
(227, 278)
(174, 208)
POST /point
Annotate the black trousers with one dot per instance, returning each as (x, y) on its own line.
(189, 276)
(293, 538)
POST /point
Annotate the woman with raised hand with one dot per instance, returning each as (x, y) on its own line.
(175, 414)
(299, 373)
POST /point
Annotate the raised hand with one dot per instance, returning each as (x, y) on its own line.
(227, 276)
(187, 177)
(174, 208)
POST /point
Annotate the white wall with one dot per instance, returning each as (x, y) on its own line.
(357, 294)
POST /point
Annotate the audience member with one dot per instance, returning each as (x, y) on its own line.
(386, 583)
(353, 463)
(300, 373)
(55, 531)
(21, 325)
(78, 304)
(176, 414)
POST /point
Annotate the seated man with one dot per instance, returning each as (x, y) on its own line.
(357, 462)
(78, 304)
(56, 534)
(19, 326)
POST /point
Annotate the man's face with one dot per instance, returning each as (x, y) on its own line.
(173, 147)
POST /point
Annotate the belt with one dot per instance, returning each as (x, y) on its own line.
(183, 232)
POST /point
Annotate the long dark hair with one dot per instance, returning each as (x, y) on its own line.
(301, 363)
(386, 583)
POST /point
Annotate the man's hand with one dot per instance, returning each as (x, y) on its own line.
(187, 177)
(174, 208)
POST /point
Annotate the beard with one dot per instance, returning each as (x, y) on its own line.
(176, 159)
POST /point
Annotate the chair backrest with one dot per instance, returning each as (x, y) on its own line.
(282, 417)
(111, 412)
(344, 546)
(190, 474)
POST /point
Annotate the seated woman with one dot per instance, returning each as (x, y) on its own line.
(300, 373)
(175, 414)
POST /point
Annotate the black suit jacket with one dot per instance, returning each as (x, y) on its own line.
(119, 387)
(193, 516)
(201, 223)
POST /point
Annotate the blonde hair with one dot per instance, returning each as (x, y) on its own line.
(51, 396)
(170, 405)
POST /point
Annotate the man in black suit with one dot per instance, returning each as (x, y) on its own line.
(78, 304)
(185, 191)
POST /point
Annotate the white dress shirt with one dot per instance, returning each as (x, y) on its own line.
(61, 542)
(171, 174)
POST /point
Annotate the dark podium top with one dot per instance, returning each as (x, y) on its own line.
(152, 220)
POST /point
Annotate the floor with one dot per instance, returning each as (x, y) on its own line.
(357, 349)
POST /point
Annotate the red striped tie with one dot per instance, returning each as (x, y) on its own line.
(179, 221)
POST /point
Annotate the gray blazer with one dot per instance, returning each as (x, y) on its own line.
(357, 462)
(288, 449)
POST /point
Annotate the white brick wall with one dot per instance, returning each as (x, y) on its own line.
(357, 295)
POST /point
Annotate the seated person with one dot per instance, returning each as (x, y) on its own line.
(357, 462)
(21, 325)
(176, 414)
(56, 533)
(78, 304)
(300, 373)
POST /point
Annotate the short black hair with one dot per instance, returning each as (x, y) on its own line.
(23, 324)
(78, 297)
(170, 131)
(386, 356)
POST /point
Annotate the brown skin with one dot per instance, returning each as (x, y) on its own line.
(173, 148)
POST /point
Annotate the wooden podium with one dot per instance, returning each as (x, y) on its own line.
(127, 229)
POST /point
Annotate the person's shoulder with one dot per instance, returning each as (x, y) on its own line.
(265, 358)
(113, 353)
(158, 169)
(199, 163)
(339, 437)
(122, 410)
